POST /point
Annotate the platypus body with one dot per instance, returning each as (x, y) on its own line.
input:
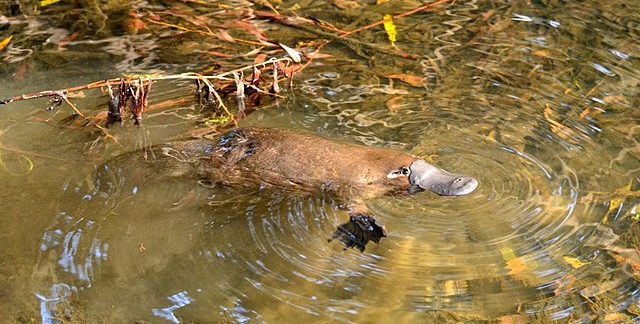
(292, 159)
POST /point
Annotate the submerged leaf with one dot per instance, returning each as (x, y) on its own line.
(390, 28)
(516, 266)
(413, 80)
(574, 262)
(5, 42)
(218, 120)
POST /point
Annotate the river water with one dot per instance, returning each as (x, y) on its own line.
(537, 100)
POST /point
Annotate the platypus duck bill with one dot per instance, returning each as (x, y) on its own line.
(424, 176)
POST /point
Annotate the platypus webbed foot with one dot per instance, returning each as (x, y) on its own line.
(359, 231)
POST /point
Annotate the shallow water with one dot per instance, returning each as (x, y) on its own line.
(538, 102)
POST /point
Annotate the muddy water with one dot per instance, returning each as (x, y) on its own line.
(538, 101)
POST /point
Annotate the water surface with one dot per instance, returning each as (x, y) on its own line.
(538, 101)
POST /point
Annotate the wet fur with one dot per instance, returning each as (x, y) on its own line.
(295, 160)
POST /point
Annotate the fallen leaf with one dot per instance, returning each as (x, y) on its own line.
(542, 53)
(346, 4)
(507, 253)
(626, 257)
(295, 55)
(617, 318)
(291, 70)
(500, 26)
(316, 55)
(394, 104)
(260, 58)
(390, 28)
(564, 285)
(413, 80)
(574, 262)
(556, 127)
(45, 3)
(516, 266)
(133, 25)
(21, 72)
(492, 136)
(5, 42)
(247, 27)
(488, 14)
(224, 35)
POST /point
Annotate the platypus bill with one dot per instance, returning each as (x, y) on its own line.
(287, 158)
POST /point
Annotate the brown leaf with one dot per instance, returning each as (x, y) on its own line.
(260, 58)
(133, 25)
(394, 104)
(291, 70)
(247, 27)
(556, 127)
(488, 14)
(500, 25)
(413, 80)
(224, 35)
(317, 55)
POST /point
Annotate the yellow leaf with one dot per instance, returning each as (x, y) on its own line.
(379, 2)
(507, 253)
(617, 318)
(390, 28)
(5, 42)
(542, 53)
(614, 204)
(44, 3)
(491, 137)
(516, 266)
(574, 262)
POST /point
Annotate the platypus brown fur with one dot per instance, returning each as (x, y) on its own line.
(294, 159)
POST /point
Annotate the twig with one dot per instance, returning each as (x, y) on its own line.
(64, 97)
(351, 43)
(104, 83)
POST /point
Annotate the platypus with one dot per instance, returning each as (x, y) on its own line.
(304, 161)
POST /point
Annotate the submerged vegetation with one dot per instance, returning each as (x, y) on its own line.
(538, 98)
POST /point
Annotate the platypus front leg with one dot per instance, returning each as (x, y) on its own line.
(358, 231)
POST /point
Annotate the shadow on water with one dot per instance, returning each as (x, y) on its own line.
(535, 100)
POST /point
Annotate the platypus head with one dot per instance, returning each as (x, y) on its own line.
(424, 176)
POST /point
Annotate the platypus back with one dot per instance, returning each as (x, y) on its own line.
(298, 160)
